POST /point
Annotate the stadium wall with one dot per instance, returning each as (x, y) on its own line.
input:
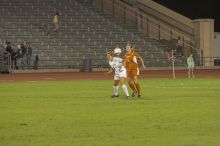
(216, 52)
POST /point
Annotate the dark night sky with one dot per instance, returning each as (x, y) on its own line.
(195, 9)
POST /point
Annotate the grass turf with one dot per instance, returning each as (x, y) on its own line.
(177, 112)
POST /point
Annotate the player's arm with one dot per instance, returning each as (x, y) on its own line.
(120, 65)
(109, 72)
(124, 62)
(142, 61)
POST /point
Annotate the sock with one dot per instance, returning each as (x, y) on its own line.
(115, 90)
(124, 87)
(131, 85)
(138, 88)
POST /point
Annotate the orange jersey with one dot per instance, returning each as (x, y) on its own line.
(131, 60)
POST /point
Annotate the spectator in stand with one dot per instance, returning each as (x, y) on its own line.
(36, 59)
(13, 59)
(19, 58)
(8, 47)
(56, 20)
(10, 52)
(23, 48)
(180, 46)
(28, 55)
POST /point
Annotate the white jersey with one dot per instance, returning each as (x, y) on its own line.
(119, 71)
(115, 64)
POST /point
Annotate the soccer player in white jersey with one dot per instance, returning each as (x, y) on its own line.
(119, 71)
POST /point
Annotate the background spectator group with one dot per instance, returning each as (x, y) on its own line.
(21, 56)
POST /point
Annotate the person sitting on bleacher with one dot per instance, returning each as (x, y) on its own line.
(180, 47)
(56, 21)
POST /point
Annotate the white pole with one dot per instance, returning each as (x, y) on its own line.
(174, 76)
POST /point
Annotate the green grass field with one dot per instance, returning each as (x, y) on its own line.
(179, 112)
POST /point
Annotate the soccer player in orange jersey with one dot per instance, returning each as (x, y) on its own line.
(130, 61)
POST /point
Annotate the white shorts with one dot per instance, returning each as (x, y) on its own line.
(121, 74)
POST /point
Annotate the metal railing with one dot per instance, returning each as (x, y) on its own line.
(95, 63)
(5, 60)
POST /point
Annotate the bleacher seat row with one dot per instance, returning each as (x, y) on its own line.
(83, 33)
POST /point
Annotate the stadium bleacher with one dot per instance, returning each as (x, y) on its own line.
(83, 34)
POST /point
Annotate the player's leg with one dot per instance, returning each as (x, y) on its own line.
(189, 71)
(135, 74)
(130, 81)
(124, 87)
(193, 76)
(137, 85)
(116, 86)
(131, 85)
(123, 75)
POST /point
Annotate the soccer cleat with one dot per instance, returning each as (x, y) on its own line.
(133, 94)
(114, 96)
(139, 95)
